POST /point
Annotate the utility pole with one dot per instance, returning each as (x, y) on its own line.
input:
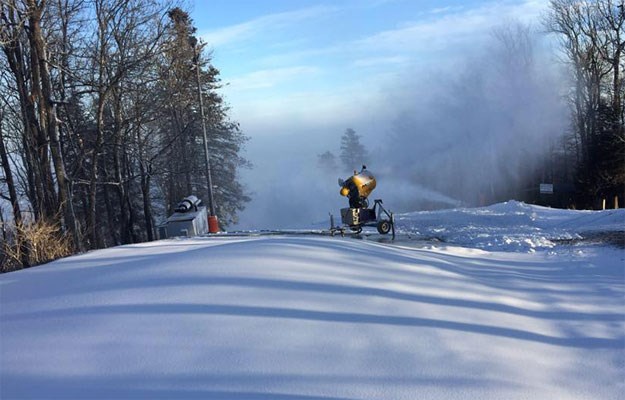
(213, 224)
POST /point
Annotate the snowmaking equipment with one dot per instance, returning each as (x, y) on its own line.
(189, 219)
(357, 189)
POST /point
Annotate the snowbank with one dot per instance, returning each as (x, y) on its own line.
(510, 226)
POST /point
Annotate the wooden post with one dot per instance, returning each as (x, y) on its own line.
(615, 202)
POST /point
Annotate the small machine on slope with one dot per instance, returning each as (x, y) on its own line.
(189, 219)
(357, 188)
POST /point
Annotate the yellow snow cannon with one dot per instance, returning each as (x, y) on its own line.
(357, 189)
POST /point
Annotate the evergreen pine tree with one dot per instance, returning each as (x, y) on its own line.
(353, 153)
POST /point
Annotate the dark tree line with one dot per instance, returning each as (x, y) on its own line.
(100, 128)
(592, 35)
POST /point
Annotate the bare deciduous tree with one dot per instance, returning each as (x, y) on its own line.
(593, 39)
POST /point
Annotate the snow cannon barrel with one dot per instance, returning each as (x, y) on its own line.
(190, 203)
(362, 182)
(358, 187)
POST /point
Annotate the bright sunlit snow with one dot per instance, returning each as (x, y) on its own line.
(505, 302)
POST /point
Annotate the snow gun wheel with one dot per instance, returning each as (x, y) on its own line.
(384, 226)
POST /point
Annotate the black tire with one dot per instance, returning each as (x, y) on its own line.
(384, 226)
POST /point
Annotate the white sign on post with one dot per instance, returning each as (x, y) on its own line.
(546, 188)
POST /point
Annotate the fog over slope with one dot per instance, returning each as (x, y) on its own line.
(482, 132)
(462, 132)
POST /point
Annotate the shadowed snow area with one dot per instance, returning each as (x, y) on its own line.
(306, 317)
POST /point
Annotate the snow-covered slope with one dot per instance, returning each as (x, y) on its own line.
(282, 317)
(510, 226)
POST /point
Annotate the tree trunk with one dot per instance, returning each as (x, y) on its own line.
(49, 118)
(131, 210)
(40, 117)
(17, 214)
(147, 203)
(15, 57)
(112, 220)
(120, 189)
(145, 172)
(94, 236)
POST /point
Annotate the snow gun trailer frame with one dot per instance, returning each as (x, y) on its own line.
(357, 218)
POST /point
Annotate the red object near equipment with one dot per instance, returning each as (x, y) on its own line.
(213, 224)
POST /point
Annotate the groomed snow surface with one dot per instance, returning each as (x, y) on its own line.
(502, 302)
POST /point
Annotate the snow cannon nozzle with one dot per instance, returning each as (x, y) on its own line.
(358, 187)
(189, 203)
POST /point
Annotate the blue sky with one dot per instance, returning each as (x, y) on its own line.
(296, 62)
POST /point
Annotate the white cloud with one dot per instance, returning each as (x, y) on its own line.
(268, 78)
(380, 61)
(447, 9)
(446, 28)
(272, 22)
